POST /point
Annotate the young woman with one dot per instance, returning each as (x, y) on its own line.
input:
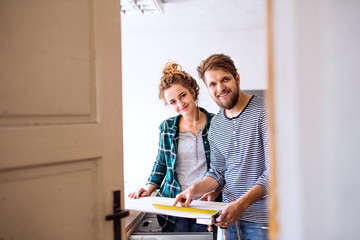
(184, 152)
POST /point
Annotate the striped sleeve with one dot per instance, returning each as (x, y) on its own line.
(263, 180)
(217, 168)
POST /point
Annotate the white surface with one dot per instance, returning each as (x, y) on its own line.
(203, 15)
(172, 236)
(145, 204)
(317, 118)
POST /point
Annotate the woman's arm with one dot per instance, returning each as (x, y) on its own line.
(157, 174)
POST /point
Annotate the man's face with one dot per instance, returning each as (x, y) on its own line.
(223, 87)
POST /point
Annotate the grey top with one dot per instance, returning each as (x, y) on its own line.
(191, 164)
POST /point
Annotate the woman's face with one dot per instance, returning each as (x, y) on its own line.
(180, 99)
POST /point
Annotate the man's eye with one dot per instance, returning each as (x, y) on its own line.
(171, 103)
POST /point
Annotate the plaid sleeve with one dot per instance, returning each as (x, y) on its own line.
(159, 169)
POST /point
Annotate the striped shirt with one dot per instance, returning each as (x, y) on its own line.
(239, 155)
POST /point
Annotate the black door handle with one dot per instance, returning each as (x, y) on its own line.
(118, 213)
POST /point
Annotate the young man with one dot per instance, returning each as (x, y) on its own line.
(238, 140)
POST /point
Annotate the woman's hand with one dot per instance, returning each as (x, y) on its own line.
(141, 192)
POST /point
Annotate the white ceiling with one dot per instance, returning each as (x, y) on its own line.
(200, 15)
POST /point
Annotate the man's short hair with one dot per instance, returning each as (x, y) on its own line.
(216, 62)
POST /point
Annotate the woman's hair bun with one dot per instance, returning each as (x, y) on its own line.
(172, 73)
(172, 68)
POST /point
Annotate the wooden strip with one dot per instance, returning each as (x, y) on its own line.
(132, 221)
(273, 232)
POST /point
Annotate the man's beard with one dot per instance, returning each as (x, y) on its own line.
(232, 101)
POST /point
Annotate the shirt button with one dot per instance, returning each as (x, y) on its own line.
(235, 143)
(234, 132)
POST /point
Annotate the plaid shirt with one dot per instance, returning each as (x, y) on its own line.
(163, 174)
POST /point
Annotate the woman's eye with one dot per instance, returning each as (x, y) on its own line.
(171, 103)
(182, 95)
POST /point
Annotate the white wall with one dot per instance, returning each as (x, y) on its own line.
(317, 118)
(144, 55)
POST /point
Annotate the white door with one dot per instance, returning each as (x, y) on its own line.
(60, 118)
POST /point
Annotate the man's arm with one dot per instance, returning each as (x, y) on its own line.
(206, 185)
(211, 196)
(234, 210)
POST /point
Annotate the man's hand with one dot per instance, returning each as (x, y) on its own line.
(206, 185)
(184, 198)
(233, 210)
(210, 196)
(229, 214)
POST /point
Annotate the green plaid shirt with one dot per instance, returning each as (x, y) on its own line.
(163, 174)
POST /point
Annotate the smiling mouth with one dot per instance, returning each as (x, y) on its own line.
(223, 95)
(184, 108)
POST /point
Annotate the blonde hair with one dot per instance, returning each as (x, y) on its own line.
(172, 73)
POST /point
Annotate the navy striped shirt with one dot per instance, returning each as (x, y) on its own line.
(239, 155)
